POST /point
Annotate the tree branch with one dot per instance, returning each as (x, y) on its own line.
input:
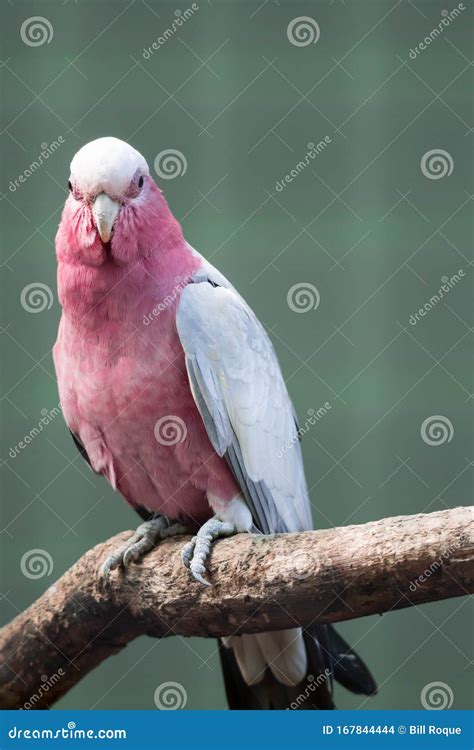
(260, 583)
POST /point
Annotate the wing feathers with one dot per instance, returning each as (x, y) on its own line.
(240, 393)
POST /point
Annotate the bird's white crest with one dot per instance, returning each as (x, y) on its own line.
(106, 165)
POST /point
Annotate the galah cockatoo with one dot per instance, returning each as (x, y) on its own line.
(172, 390)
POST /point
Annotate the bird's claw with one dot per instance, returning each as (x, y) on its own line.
(196, 552)
(142, 541)
(187, 552)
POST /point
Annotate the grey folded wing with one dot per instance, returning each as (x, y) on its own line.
(239, 390)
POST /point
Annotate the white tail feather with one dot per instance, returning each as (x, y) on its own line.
(283, 651)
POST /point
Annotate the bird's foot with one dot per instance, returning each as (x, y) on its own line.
(143, 540)
(196, 552)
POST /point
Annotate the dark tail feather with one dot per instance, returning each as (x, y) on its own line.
(328, 656)
(270, 694)
(347, 666)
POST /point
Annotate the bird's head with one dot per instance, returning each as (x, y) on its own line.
(114, 212)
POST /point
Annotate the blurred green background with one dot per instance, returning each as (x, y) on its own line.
(362, 223)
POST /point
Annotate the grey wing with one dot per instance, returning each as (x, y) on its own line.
(238, 388)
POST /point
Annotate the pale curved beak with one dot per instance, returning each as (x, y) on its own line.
(105, 212)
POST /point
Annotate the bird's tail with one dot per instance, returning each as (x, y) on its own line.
(329, 658)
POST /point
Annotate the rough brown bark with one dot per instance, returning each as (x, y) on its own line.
(259, 583)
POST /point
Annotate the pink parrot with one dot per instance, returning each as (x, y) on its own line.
(172, 390)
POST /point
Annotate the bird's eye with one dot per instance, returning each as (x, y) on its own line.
(140, 182)
(69, 184)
